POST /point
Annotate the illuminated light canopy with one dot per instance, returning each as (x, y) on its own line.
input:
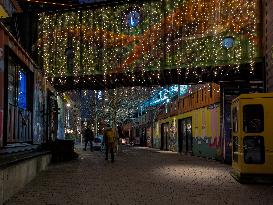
(180, 34)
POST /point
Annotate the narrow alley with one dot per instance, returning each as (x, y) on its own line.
(140, 176)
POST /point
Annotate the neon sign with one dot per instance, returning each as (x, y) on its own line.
(164, 96)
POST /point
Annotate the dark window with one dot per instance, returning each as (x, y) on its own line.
(253, 118)
(254, 150)
(235, 119)
(12, 83)
(97, 140)
(235, 148)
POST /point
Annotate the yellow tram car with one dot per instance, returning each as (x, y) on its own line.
(252, 137)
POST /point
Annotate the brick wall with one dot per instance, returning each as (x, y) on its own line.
(267, 10)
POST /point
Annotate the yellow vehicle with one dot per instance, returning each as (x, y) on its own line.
(252, 137)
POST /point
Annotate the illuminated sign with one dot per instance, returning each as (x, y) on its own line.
(22, 90)
(228, 42)
(165, 95)
(133, 18)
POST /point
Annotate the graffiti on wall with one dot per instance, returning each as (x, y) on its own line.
(206, 140)
(149, 136)
(38, 119)
(173, 137)
(61, 119)
(215, 131)
(215, 126)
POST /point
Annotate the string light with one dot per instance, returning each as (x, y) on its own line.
(180, 34)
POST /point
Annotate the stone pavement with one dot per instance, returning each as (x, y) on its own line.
(140, 176)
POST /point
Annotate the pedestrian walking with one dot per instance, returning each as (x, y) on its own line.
(88, 137)
(109, 140)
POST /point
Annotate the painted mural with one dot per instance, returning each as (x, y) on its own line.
(61, 119)
(206, 132)
(173, 137)
(156, 136)
(149, 136)
(38, 109)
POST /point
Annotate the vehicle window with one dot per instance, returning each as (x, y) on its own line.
(253, 118)
(254, 150)
(235, 119)
(235, 148)
(97, 140)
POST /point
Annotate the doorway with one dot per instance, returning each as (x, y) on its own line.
(165, 136)
(143, 138)
(185, 135)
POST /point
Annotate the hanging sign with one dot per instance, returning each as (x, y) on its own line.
(228, 42)
(133, 18)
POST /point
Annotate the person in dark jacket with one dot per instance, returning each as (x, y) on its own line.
(88, 137)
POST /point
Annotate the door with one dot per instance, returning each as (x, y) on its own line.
(165, 136)
(143, 139)
(180, 136)
(51, 117)
(185, 135)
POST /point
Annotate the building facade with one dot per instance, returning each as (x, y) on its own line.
(267, 11)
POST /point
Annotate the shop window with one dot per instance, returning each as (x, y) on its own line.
(253, 118)
(235, 148)
(17, 85)
(12, 83)
(235, 119)
(254, 150)
(22, 90)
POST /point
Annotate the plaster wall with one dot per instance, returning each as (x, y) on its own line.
(15, 177)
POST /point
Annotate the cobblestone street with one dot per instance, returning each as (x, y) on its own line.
(140, 176)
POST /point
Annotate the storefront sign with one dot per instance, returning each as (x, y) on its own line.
(228, 42)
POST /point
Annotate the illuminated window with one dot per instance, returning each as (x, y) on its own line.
(22, 90)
